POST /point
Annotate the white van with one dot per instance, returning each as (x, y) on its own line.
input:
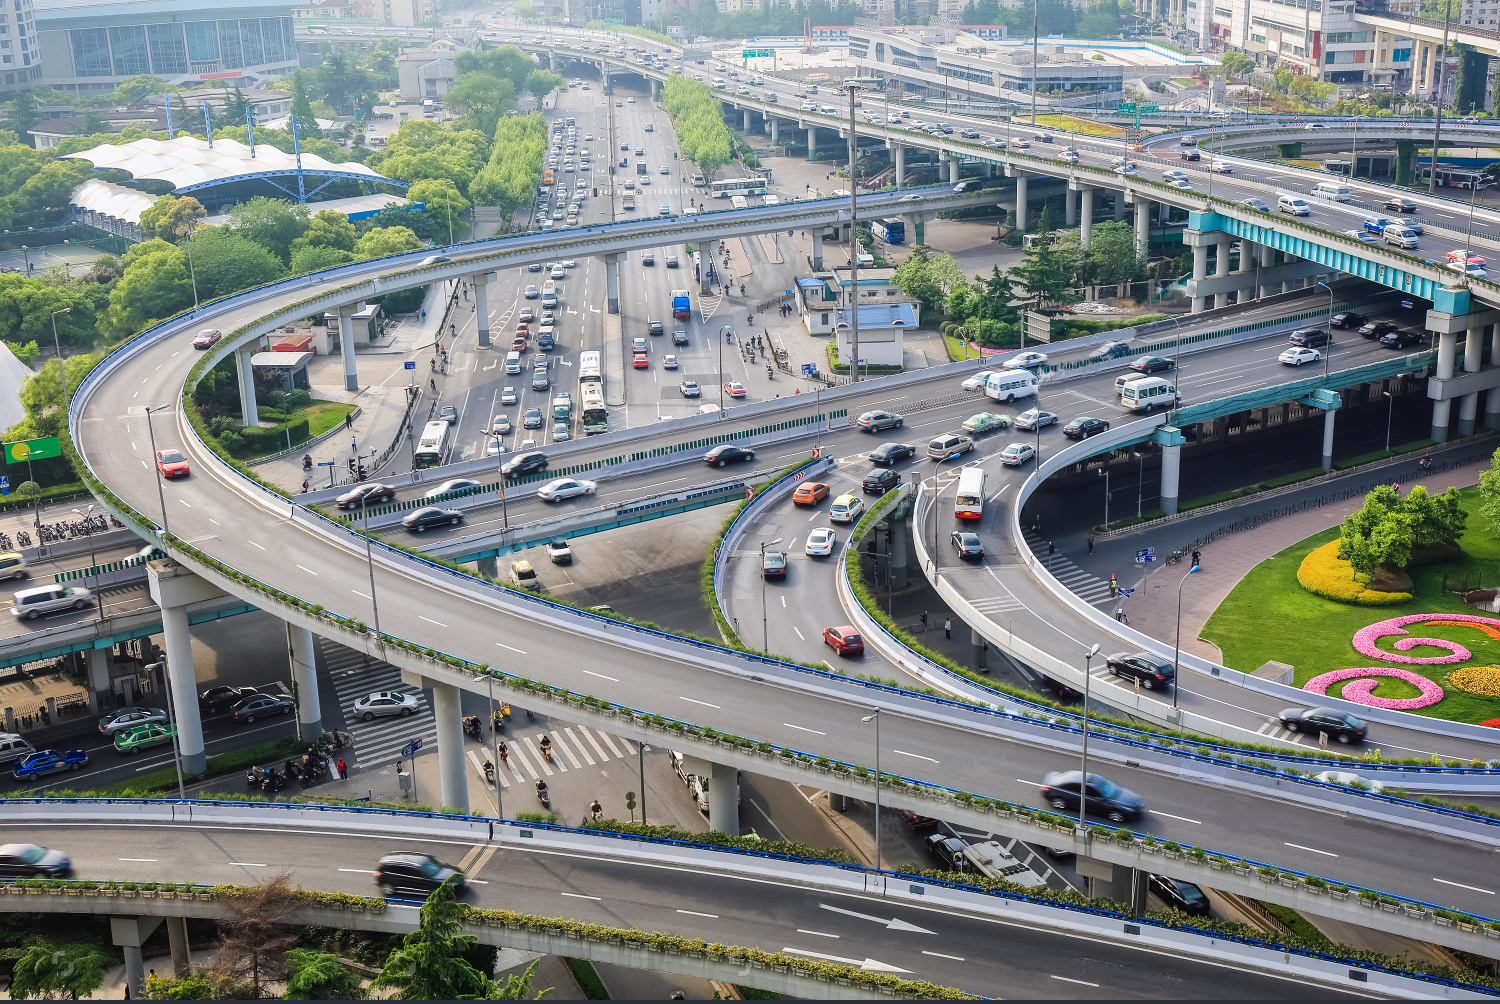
(512, 362)
(1127, 378)
(1007, 385)
(1399, 236)
(29, 604)
(949, 444)
(1337, 191)
(1152, 392)
(1293, 205)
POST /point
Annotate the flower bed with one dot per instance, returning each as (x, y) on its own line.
(1483, 680)
(1325, 574)
(1361, 691)
(1366, 638)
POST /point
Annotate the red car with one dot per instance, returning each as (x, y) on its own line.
(207, 338)
(641, 361)
(172, 464)
(810, 494)
(734, 388)
(845, 640)
(519, 345)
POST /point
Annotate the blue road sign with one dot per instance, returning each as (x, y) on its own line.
(4, 485)
(1145, 551)
(410, 364)
(1142, 559)
(411, 747)
(1126, 592)
(325, 463)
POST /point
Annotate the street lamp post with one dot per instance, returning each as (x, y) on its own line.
(724, 332)
(1104, 473)
(1140, 480)
(875, 717)
(765, 629)
(364, 514)
(852, 87)
(93, 566)
(1390, 405)
(1083, 782)
(1177, 645)
(160, 494)
(500, 463)
(62, 372)
(1328, 349)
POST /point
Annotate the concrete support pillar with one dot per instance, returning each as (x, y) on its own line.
(488, 567)
(129, 934)
(724, 800)
(1142, 225)
(919, 232)
(177, 939)
(99, 671)
(1070, 209)
(1200, 272)
(1447, 349)
(775, 130)
(612, 281)
(705, 261)
(1021, 200)
(1328, 420)
(1086, 216)
(817, 250)
(812, 142)
(1267, 259)
(978, 647)
(898, 553)
(454, 781)
(178, 646)
(1171, 466)
(744, 115)
(1492, 399)
(302, 656)
(655, 87)
(482, 306)
(346, 346)
(1468, 405)
(898, 152)
(1221, 268)
(955, 166)
(1119, 206)
(243, 370)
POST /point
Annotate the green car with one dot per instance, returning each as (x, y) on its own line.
(986, 422)
(136, 739)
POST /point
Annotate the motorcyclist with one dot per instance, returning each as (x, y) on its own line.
(542, 793)
(547, 747)
(505, 711)
(504, 751)
(307, 461)
(1425, 464)
(596, 810)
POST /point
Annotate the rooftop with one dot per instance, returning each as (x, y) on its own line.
(879, 315)
(191, 163)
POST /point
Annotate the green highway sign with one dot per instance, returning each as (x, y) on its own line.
(32, 449)
(1148, 109)
(614, 20)
(755, 54)
(1125, 107)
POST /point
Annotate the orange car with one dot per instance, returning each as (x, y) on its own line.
(810, 494)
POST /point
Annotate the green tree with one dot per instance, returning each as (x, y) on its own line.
(481, 99)
(155, 285)
(1236, 64)
(271, 223)
(22, 114)
(430, 963)
(172, 216)
(507, 62)
(915, 277)
(386, 241)
(50, 187)
(698, 120)
(57, 967)
(1041, 275)
(1113, 256)
(515, 167)
(443, 203)
(342, 81)
(515, 988)
(319, 976)
(1489, 495)
(1101, 21)
(328, 228)
(133, 90)
(540, 83)
(1435, 519)
(307, 122)
(27, 305)
(1468, 85)
(311, 259)
(1379, 534)
(226, 262)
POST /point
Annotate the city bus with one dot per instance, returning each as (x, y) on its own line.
(432, 448)
(970, 500)
(891, 231)
(591, 394)
(738, 186)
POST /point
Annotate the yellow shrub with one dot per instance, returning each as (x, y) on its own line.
(1483, 680)
(1325, 574)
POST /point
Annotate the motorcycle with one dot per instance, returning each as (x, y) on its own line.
(547, 749)
(542, 795)
(307, 462)
(473, 727)
(1425, 465)
(489, 772)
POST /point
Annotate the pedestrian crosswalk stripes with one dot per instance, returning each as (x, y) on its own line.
(1088, 587)
(1273, 729)
(354, 675)
(525, 763)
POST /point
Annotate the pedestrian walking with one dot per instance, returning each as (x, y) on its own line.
(343, 770)
(1091, 543)
(349, 421)
(1036, 525)
(947, 627)
(1114, 585)
(353, 444)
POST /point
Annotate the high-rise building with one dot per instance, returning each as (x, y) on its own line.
(20, 57)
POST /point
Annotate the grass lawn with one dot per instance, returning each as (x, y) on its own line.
(1270, 616)
(1078, 125)
(320, 415)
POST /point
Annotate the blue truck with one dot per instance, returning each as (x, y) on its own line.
(682, 305)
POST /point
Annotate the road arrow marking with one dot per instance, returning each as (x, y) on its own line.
(871, 965)
(894, 924)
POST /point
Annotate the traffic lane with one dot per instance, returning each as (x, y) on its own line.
(949, 949)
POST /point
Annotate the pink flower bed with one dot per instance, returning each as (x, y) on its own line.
(1366, 638)
(1361, 691)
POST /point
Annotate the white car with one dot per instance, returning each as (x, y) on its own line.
(385, 703)
(690, 388)
(976, 382)
(493, 448)
(663, 210)
(1349, 779)
(820, 542)
(1067, 155)
(1182, 183)
(1362, 235)
(1219, 167)
(1017, 454)
(565, 488)
(451, 485)
(1299, 354)
(560, 433)
(1034, 419)
(669, 362)
(1125, 169)
(508, 396)
(1026, 360)
(527, 314)
(569, 263)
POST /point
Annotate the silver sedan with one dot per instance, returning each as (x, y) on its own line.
(385, 703)
(124, 719)
(1035, 418)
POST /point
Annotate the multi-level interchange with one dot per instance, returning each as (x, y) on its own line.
(1216, 798)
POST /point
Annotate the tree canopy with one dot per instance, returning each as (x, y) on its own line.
(271, 223)
(698, 120)
(1386, 529)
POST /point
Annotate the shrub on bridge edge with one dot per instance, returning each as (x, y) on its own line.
(1323, 573)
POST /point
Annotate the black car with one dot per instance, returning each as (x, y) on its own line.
(31, 861)
(260, 706)
(1349, 319)
(1117, 804)
(214, 698)
(430, 516)
(727, 454)
(1404, 339)
(1378, 329)
(369, 494)
(1152, 364)
(1148, 669)
(1340, 726)
(1083, 428)
(532, 419)
(773, 565)
(1399, 205)
(967, 545)
(1181, 896)
(890, 453)
(655, 328)
(1310, 337)
(679, 337)
(525, 463)
(948, 852)
(413, 872)
(1190, 155)
(881, 481)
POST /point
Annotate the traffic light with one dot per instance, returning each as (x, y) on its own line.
(674, 154)
(596, 192)
(924, 618)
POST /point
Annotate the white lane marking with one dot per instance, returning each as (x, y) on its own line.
(1082, 983)
(137, 859)
(820, 934)
(601, 676)
(431, 621)
(940, 955)
(309, 571)
(356, 592)
(250, 864)
(783, 602)
(261, 546)
(184, 503)
(363, 871)
(799, 728)
(1471, 888)
(579, 895)
(1314, 850)
(695, 913)
(704, 703)
(916, 755)
(1195, 822)
(511, 647)
(798, 630)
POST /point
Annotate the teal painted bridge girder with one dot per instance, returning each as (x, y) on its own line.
(1336, 256)
(22, 656)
